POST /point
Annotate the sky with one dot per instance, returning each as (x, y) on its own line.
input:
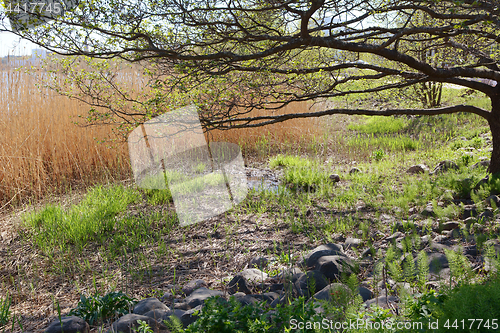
(11, 44)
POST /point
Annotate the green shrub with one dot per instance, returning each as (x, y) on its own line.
(96, 309)
(220, 316)
(472, 301)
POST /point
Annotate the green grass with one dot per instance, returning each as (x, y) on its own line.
(93, 219)
(380, 125)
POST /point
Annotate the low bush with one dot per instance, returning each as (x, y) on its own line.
(96, 309)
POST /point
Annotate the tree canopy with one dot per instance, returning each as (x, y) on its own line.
(232, 56)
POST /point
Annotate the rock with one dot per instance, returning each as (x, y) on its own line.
(268, 297)
(354, 170)
(419, 168)
(485, 216)
(246, 299)
(149, 304)
(176, 313)
(159, 314)
(70, 324)
(428, 212)
(199, 296)
(128, 324)
(365, 293)
(312, 281)
(335, 178)
(258, 262)
(382, 301)
(333, 267)
(437, 261)
(326, 293)
(182, 306)
(394, 236)
(288, 273)
(323, 250)
(469, 211)
(444, 166)
(450, 226)
(246, 280)
(352, 243)
(192, 286)
(191, 316)
(276, 287)
(493, 200)
(471, 250)
(481, 164)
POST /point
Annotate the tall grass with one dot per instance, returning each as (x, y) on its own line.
(42, 151)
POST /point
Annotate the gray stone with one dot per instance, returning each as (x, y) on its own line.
(199, 296)
(493, 200)
(419, 168)
(70, 324)
(258, 262)
(191, 316)
(354, 170)
(428, 211)
(323, 250)
(325, 294)
(268, 297)
(192, 286)
(365, 293)
(159, 314)
(333, 267)
(394, 236)
(450, 226)
(149, 304)
(352, 243)
(444, 166)
(482, 164)
(246, 280)
(437, 261)
(382, 301)
(312, 280)
(485, 216)
(128, 324)
(246, 299)
(469, 211)
(335, 178)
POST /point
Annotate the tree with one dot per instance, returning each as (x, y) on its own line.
(237, 55)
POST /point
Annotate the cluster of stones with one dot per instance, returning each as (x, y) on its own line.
(316, 275)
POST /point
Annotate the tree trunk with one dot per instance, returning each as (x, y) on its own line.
(494, 122)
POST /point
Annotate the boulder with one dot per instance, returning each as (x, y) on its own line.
(246, 280)
(70, 324)
(192, 286)
(129, 324)
(333, 267)
(323, 250)
(191, 316)
(444, 166)
(312, 281)
(334, 178)
(326, 293)
(419, 168)
(258, 262)
(199, 296)
(149, 304)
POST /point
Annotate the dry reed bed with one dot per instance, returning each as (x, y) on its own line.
(43, 152)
